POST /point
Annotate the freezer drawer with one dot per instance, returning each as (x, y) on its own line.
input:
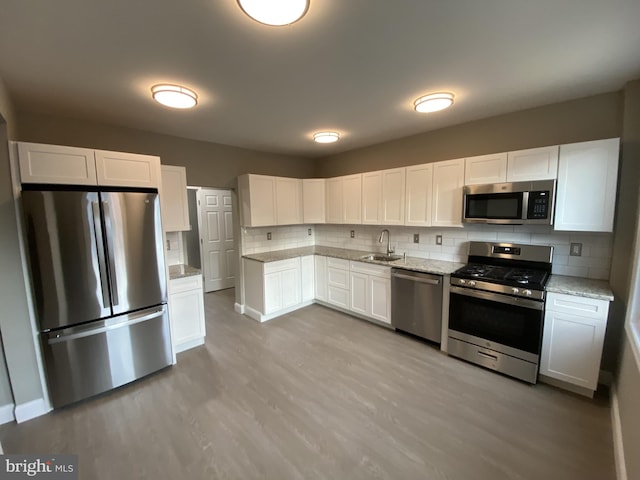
(96, 357)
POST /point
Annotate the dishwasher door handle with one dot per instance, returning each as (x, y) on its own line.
(428, 281)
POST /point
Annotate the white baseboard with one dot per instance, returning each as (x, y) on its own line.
(196, 342)
(6, 413)
(616, 426)
(32, 409)
(238, 308)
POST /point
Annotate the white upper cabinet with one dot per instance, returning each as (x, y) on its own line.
(486, 169)
(173, 199)
(418, 195)
(313, 200)
(334, 200)
(127, 169)
(56, 164)
(448, 180)
(288, 201)
(372, 198)
(393, 187)
(257, 200)
(532, 164)
(586, 191)
(352, 198)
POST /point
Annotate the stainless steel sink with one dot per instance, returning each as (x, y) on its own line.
(381, 257)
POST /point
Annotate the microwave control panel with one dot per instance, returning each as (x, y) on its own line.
(539, 205)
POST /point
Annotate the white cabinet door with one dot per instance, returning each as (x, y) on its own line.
(288, 201)
(418, 192)
(448, 180)
(485, 169)
(321, 277)
(127, 169)
(313, 200)
(273, 300)
(186, 311)
(334, 193)
(338, 297)
(571, 348)
(41, 163)
(532, 164)
(372, 198)
(586, 190)
(379, 294)
(173, 199)
(307, 277)
(291, 287)
(359, 293)
(352, 199)
(393, 188)
(257, 200)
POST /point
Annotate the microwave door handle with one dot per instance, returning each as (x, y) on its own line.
(525, 205)
(102, 264)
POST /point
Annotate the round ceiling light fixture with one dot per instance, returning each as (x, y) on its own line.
(174, 96)
(275, 12)
(326, 137)
(433, 102)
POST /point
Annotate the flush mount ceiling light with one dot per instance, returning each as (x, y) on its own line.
(326, 137)
(174, 96)
(275, 12)
(433, 102)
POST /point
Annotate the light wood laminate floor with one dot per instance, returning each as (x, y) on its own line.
(317, 394)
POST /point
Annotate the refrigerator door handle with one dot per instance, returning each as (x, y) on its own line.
(110, 253)
(102, 265)
(59, 338)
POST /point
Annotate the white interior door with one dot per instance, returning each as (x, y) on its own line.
(216, 238)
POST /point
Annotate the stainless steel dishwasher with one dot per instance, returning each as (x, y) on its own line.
(416, 303)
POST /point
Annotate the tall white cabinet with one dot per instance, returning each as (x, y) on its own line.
(448, 180)
(173, 199)
(313, 200)
(586, 191)
(419, 195)
(344, 199)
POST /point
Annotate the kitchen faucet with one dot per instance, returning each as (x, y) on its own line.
(389, 249)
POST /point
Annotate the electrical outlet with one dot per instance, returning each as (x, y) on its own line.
(575, 250)
(416, 238)
(268, 235)
(438, 239)
(353, 234)
(309, 231)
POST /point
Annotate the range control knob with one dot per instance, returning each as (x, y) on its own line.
(515, 290)
(472, 283)
(527, 293)
(462, 282)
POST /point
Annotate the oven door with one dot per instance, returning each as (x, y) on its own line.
(509, 325)
(504, 208)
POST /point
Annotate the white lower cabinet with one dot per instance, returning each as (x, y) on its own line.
(320, 264)
(338, 282)
(371, 291)
(186, 311)
(307, 278)
(574, 329)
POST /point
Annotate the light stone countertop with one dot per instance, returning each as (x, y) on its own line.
(437, 267)
(182, 270)
(581, 287)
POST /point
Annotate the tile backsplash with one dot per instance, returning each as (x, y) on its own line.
(594, 263)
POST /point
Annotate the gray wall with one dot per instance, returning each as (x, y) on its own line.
(575, 121)
(207, 164)
(628, 379)
(15, 325)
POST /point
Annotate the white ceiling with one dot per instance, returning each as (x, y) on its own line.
(350, 65)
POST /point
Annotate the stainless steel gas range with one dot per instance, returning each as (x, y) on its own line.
(496, 309)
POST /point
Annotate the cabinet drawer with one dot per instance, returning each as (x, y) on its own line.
(574, 305)
(185, 283)
(371, 269)
(338, 278)
(338, 263)
(282, 265)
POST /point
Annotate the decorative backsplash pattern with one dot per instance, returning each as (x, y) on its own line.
(594, 263)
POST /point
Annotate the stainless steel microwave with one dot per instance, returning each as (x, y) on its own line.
(514, 203)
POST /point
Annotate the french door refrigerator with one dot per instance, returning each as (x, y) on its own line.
(98, 276)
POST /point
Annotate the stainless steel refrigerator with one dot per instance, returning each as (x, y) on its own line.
(99, 284)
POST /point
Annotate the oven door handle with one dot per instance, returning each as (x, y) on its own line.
(496, 297)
